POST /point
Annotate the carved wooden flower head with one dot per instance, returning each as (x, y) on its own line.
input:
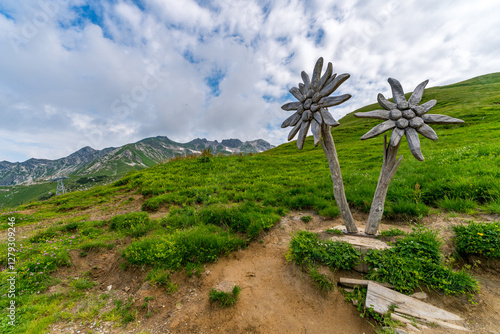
(311, 110)
(406, 117)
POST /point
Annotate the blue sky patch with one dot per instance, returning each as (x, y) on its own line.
(214, 80)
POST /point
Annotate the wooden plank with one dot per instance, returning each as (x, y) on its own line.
(381, 298)
(352, 282)
(432, 321)
(399, 317)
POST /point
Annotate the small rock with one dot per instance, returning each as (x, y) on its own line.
(109, 287)
(419, 295)
(225, 286)
(207, 272)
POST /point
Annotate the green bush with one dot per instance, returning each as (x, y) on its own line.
(198, 244)
(409, 209)
(416, 259)
(44, 235)
(306, 219)
(225, 299)
(160, 277)
(307, 250)
(135, 224)
(478, 239)
(94, 245)
(321, 281)
(392, 232)
(457, 204)
(83, 284)
(330, 212)
(70, 227)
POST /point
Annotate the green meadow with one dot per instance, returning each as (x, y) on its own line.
(212, 205)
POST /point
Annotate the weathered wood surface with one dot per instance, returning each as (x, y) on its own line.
(389, 168)
(364, 243)
(338, 185)
(352, 282)
(381, 299)
(431, 321)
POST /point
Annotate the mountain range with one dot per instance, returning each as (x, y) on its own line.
(113, 161)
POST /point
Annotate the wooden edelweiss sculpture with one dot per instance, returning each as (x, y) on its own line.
(311, 111)
(405, 117)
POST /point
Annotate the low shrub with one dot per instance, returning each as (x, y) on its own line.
(225, 299)
(457, 204)
(135, 224)
(321, 281)
(416, 259)
(95, 245)
(83, 284)
(478, 239)
(161, 277)
(44, 235)
(330, 212)
(199, 244)
(306, 219)
(307, 250)
(392, 232)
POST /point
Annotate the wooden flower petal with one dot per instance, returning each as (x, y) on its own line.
(398, 94)
(416, 96)
(316, 73)
(414, 143)
(304, 128)
(377, 114)
(385, 103)
(325, 77)
(292, 120)
(291, 106)
(428, 132)
(333, 100)
(298, 95)
(428, 106)
(302, 88)
(328, 118)
(318, 118)
(294, 131)
(436, 119)
(307, 81)
(378, 129)
(332, 86)
(396, 136)
(334, 75)
(316, 131)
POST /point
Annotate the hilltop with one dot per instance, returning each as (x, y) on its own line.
(22, 182)
(144, 252)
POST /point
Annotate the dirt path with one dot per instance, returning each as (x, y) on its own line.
(275, 298)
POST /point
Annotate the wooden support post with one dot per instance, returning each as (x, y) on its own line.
(338, 185)
(389, 167)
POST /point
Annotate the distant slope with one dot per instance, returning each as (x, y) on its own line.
(117, 161)
(32, 170)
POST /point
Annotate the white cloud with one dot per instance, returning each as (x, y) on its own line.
(114, 73)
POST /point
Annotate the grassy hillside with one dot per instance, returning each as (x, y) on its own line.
(219, 204)
(460, 171)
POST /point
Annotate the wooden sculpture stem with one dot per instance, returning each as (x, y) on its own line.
(338, 185)
(389, 167)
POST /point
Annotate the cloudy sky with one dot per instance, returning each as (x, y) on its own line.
(105, 73)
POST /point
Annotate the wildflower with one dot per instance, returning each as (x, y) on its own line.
(481, 234)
